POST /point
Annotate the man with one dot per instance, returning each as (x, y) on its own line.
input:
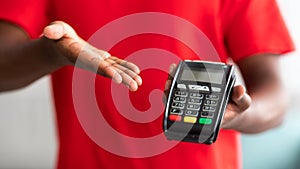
(251, 32)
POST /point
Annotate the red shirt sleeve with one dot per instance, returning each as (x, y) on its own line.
(257, 27)
(31, 15)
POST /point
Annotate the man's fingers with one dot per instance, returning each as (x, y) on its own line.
(130, 73)
(241, 99)
(126, 64)
(119, 74)
(106, 69)
(170, 77)
(166, 90)
(125, 70)
(172, 69)
(105, 65)
(240, 102)
(128, 81)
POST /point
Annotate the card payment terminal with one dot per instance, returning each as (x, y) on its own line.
(197, 100)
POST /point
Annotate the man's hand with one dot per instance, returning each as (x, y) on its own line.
(240, 101)
(78, 52)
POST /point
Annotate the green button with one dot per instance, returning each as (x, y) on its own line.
(205, 121)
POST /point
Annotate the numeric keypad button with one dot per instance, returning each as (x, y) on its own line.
(176, 111)
(178, 105)
(209, 108)
(196, 95)
(210, 102)
(195, 101)
(191, 113)
(212, 97)
(193, 107)
(179, 99)
(181, 93)
(207, 114)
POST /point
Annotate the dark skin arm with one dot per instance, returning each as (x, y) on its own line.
(23, 61)
(263, 105)
(269, 99)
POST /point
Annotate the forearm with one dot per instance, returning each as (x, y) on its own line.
(269, 99)
(23, 60)
(266, 111)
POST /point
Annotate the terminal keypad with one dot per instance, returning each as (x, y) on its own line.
(194, 104)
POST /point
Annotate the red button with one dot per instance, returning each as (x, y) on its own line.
(174, 118)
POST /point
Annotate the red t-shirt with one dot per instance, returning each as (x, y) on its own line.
(236, 29)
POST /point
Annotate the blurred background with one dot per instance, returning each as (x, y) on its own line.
(28, 129)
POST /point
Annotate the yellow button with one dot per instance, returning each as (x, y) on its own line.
(188, 119)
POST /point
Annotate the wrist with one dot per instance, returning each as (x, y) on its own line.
(51, 54)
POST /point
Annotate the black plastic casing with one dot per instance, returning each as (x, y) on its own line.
(196, 132)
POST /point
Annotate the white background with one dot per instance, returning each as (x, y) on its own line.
(27, 122)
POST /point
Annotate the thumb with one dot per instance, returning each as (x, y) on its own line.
(240, 97)
(58, 29)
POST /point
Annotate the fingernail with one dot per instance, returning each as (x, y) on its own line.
(138, 80)
(133, 87)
